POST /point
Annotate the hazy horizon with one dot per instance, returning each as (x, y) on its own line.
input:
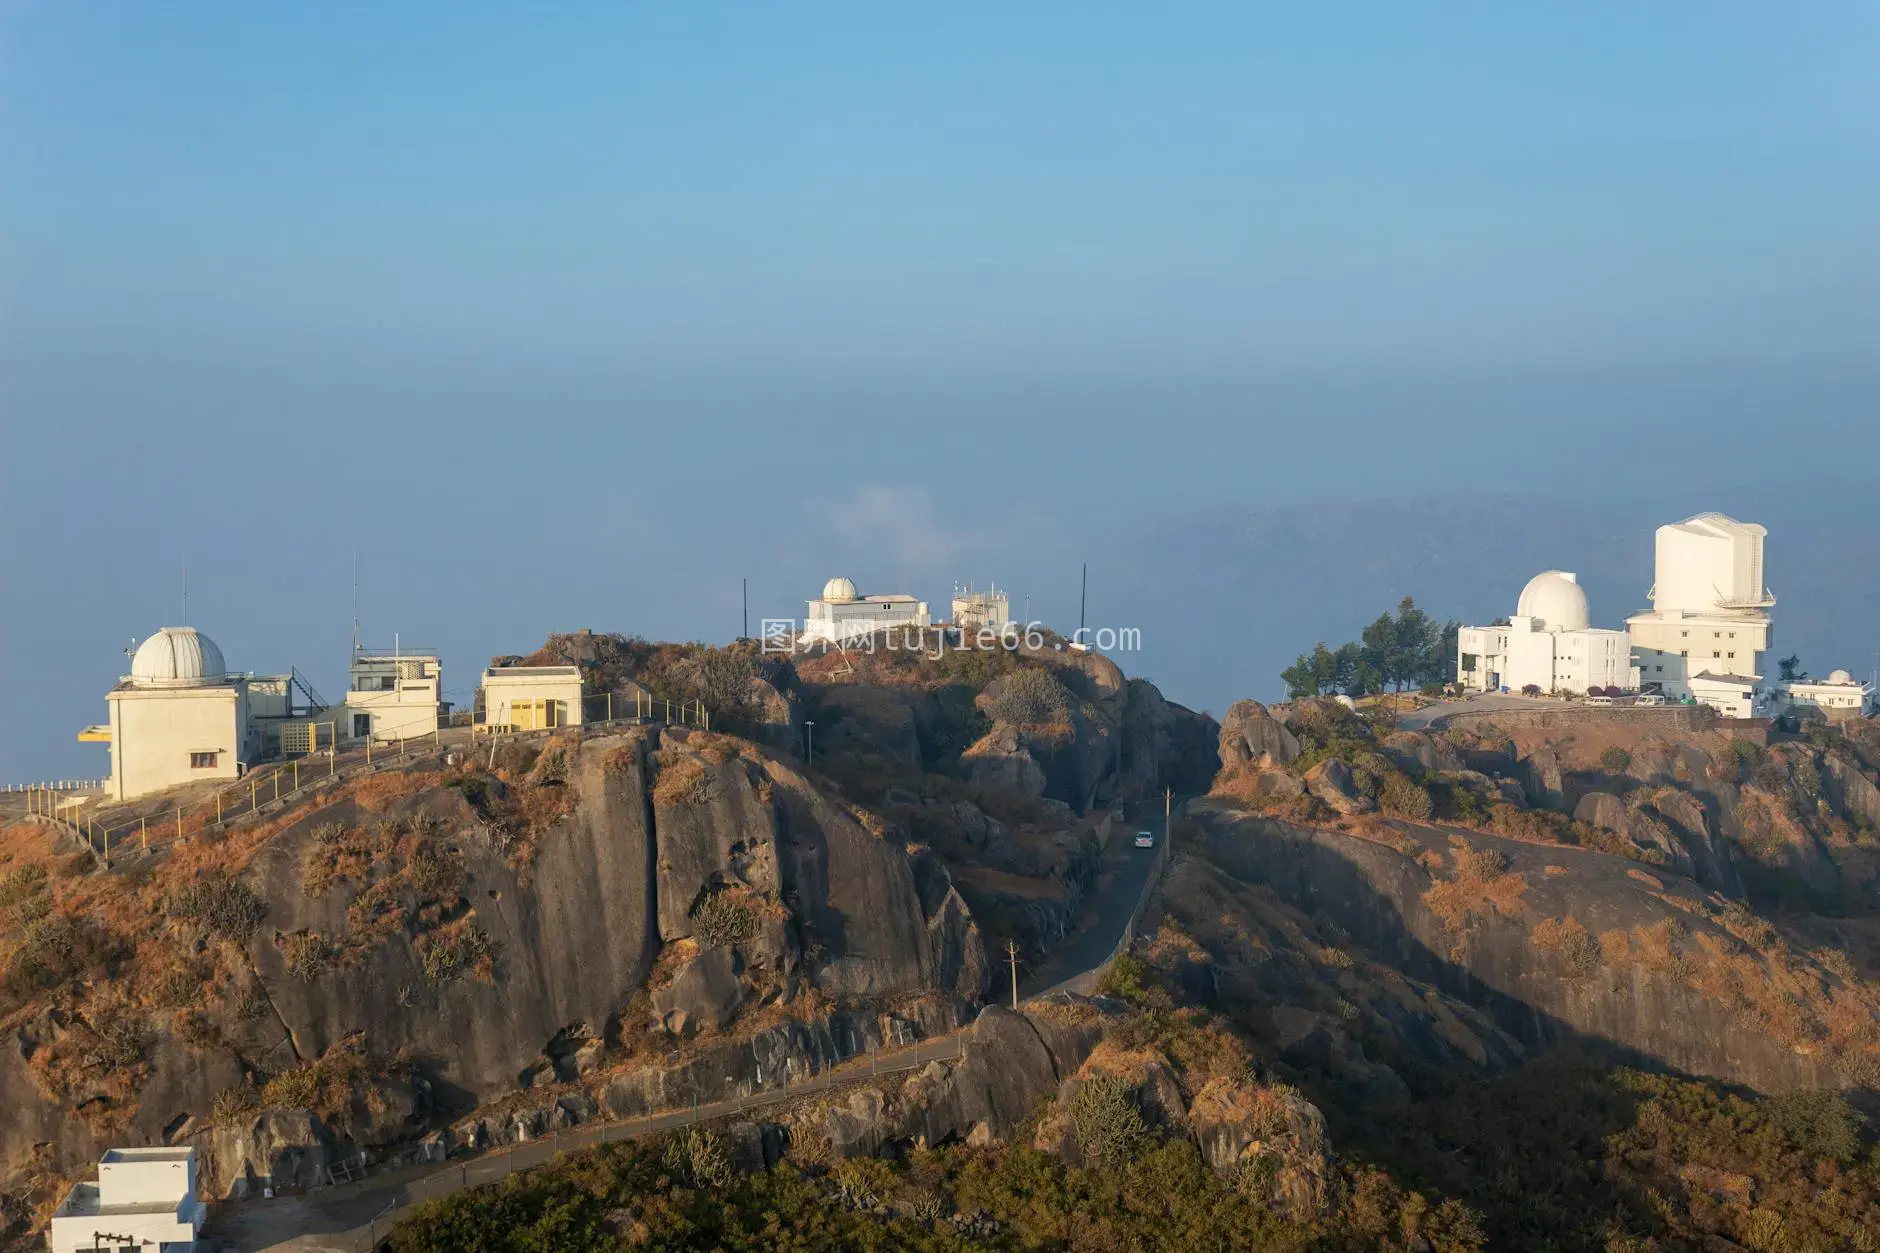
(574, 318)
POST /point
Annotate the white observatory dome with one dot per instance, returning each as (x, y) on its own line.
(177, 657)
(839, 590)
(1840, 676)
(1554, 596)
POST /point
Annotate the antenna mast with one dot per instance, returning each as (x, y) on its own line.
(186, 587)
(357, 641)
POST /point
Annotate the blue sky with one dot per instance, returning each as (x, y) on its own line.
(574, 315)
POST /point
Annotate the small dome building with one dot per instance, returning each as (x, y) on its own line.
(178, 717)
(1554, 597)
(177, 657)
(841, 614)
(1548, 644)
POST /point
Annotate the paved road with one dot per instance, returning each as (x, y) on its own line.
(1420, 719)
(346, 1219)
(1125, 872)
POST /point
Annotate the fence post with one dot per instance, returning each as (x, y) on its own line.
(277, 785)
(296, 774)
(143, 830)
(179, 822)
(368, 750)
(218, 809)
(107, 845)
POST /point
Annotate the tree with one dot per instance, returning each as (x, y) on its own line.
(1791, 668)
(1410, 649)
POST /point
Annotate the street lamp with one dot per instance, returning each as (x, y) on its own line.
(809, 741)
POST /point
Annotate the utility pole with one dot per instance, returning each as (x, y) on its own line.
(1011, 955)
(1168, 810)
(809, 741)
(1083, 601)
(747, 609)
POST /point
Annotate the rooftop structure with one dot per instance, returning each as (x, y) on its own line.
(177, 657)
(177, 717)
(973, 610)
(142, 1198)
(1710, 609)
(841, 614)
(1836, 697)
(1547, 644)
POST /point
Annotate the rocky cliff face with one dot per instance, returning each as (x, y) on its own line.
(1553, 945)
(421, 945)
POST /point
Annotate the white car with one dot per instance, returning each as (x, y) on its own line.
(1145, 839)
(1650, 698)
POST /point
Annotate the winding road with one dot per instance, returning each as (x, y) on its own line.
(351, 1217)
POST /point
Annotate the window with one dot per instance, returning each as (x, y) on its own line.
(203, 761)
(1732, 654)
(1716, 654)
(1733, 635)
(1716, 635)
(362, 725)
(1658, 669)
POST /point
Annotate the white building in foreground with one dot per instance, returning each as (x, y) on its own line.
(531, 698)
(392, 694)
(840, 615)
(141, 1199)
(1548, 644)
(1708, 628)
(180, 716)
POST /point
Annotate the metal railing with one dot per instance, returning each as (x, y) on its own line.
(276, 784)
(54, 785)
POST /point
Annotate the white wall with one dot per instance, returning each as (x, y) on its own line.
(504, 687)
(154, 731)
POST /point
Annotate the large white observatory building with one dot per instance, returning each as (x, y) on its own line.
(1708, 628)
(1549, 643)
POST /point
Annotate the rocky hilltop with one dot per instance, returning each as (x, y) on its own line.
(483, 944)
(1696, 900)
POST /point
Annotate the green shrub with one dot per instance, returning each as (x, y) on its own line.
(306, 954)
(1821, 1124)
(452, 954)
(1110, 1129)
(698, 1157)
(20, 882)
(1616, 760)
(224, 907)
(723, 919)
(1030, 696)
(1406, 799)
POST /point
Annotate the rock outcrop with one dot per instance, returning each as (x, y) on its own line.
(1330, 782)
(1251, 737)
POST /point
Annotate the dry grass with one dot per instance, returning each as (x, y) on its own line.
(1570, 941)
(378, 792)
(1482, 887)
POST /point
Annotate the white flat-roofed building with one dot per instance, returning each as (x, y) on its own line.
(1838, 696)
(840, 614)
(1710, 609)
(141, 1199)
(393, 694)
(1546, 644)
(529, 698)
